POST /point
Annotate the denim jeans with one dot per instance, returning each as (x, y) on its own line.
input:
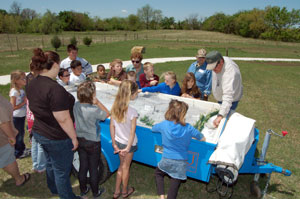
(233, 106)
(89, 157)
(19, 123)
(59, 157)
(37, 155)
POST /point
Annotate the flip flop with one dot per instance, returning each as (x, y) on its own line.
(129, 192)
(26, 177)
(116, 196)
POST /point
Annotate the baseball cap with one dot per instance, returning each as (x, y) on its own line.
(130, 68)
(212, 59)
(201, 53)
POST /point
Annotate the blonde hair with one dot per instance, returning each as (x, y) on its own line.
(171, 74)
(85, 92)
(121, 103)
(176, 112)
(116, 61)
(15, 76)
(147, 65)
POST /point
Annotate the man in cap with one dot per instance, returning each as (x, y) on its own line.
(202, 75)
(227, 85)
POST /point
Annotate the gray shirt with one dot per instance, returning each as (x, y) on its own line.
(87, 117)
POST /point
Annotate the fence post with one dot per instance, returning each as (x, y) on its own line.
(226, 52)
(42, 41)
(17, 43)
(125, 37)
(10, 44)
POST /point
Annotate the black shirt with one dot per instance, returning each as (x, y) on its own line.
(46, 96)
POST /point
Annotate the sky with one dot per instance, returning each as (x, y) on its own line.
(180, 10)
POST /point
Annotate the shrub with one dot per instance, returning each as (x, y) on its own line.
(87, 41)
(73, 41)
(56, 42)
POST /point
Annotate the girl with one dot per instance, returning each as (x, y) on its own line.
(88, 111)
(189, 88)
(170, 86)
(116, 74)
(176, 138)
(122, 130)
(18, 101)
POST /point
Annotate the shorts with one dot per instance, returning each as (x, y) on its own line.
(123, 146)
(7, 155)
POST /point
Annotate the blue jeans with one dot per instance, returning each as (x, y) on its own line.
(37, 155)
(233, 106)
(19, 123)
(59, 156)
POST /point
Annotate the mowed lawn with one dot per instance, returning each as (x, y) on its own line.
(271, 97)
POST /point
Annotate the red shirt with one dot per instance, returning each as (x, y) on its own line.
(145, 82)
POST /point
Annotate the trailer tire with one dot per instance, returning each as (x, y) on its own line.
(104, 172)
(255, 190)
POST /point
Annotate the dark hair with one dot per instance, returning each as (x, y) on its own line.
(71, 47)
(100, 66)
(194, 91)
(75, 63)
(43, 60)
(61, 72)
(85, 92)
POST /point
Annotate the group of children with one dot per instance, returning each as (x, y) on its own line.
(176, 133)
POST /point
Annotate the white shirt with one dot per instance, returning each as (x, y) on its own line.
(21, 112)
(227, 85)
(77, 79)
(60, 82)
(86, 66)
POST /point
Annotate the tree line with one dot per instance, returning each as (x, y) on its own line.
(272, 23)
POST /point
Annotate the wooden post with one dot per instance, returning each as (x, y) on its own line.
(10, 44)
(125, 37)
(42, 42)
(227, 52)
(17, 43)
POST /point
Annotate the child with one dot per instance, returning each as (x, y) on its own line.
(116, 74)
(148, 78)
(170, 86)
(131, 75)
(189, 88)
(101, 74)
(87, 112)
(64, 77)
(122, 130)
(176, 137)
(76, 76)
(18, 100)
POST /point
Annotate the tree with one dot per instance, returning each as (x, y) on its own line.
(73, 41)
(15, 8)
(193, 22)
(148, 14)
(133, 22)
(28, 14)
(87, 41)
(49, 23)
(55, 42)
(167, 23)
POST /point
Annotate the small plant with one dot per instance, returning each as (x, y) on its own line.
(55, 42)
(203, 119)
(146, 120)
(73, 41)
(87, 41)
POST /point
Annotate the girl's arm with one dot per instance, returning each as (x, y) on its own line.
(13, 101)
(131, 137)
(114, 82)
(66, 123)
(112, 135)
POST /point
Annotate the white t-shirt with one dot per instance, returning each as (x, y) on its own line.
(21, 112)
(86, 66)
(123, 129)
(77, 79)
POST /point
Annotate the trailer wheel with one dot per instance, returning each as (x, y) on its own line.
(103, 168)
(255, 190)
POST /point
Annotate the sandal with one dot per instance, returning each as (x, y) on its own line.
(116, 195)
(26, 179)
(129, 192)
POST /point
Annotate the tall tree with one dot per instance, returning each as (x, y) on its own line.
(28, 14)
(15, 8)
(148, 14)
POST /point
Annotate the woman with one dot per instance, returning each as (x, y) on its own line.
(53, 126)
(136, 60)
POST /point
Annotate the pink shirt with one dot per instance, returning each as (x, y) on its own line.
(123, 129)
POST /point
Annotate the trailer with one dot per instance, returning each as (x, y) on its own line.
(151, 109)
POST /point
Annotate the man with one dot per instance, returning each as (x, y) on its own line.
(202, 76)
(227, 85)
(72, 55)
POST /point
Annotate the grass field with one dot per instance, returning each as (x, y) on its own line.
(271, 97)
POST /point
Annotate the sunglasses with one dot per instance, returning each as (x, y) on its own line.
(66, 75)
(133, 61)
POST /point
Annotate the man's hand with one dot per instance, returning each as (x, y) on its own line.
(75, 144)
(218, 120)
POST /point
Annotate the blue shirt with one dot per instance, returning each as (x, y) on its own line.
(164, 88)
(176, 138)
(203, 77)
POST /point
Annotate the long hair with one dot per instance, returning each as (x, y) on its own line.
(121, 103)
(176, 112)
(15, 76)
(112, 69)
(43, 60)
(194, 90)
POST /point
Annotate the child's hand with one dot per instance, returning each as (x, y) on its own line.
(203, 139)
(123, 152)
(140, 90)
(116, 149)
(153, 82)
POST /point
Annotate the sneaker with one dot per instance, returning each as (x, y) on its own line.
(26, 153)
(100, 192)
(86, 192)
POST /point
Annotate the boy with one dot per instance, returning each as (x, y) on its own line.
(148, 78)
(101, 75)
(131, 75)
(76, 76)
(63, 77)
